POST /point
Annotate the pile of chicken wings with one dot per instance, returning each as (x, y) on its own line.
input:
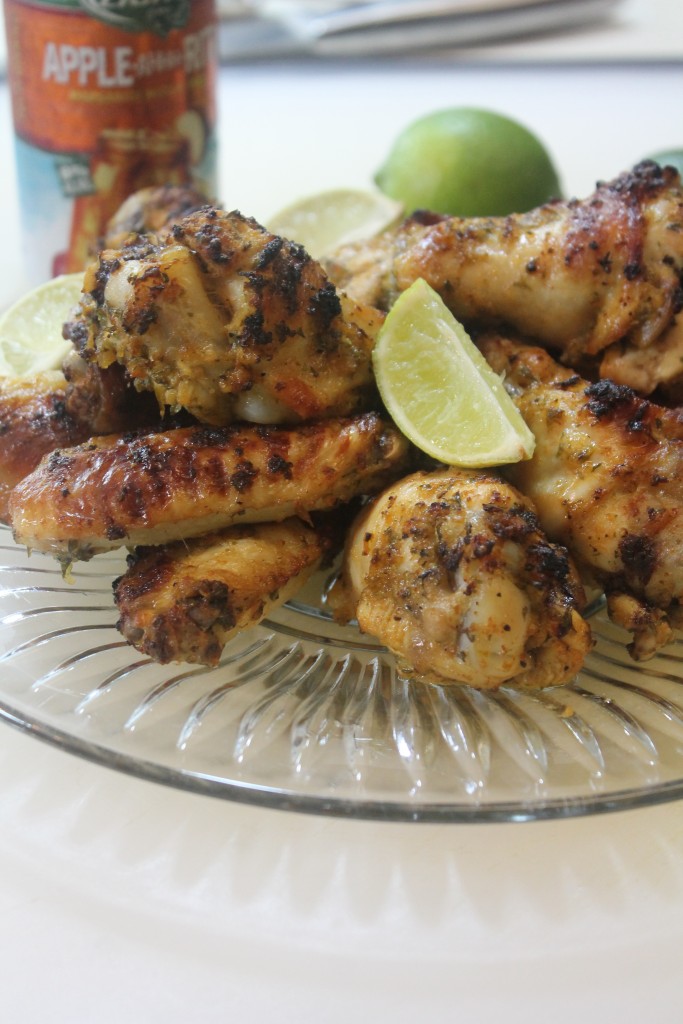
(218, 417)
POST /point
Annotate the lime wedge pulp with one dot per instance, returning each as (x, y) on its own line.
(439, 389)
(31, 339)
(327, 220)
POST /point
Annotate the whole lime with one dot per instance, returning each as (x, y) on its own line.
(468, 162)
(669, 158)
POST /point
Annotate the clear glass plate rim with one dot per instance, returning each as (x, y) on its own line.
(513, 811)
(282, 792)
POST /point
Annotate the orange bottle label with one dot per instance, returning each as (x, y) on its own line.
(117, 95)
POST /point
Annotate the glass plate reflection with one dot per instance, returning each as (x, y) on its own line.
(305, 715)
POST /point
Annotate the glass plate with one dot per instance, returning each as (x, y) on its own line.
(305, 715)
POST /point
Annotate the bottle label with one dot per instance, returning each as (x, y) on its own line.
(158, 16)
(108, 96)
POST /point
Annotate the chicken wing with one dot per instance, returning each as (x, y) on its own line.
(599, 281)
(34, 419)
(151, 211)
(229, 322)
(105, 401)
(451, 571)
(607, 480)
(183, 602)
(156, 488)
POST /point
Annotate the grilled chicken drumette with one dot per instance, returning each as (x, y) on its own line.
(229, 322)
(607, 481)
(598, 280)
(452, 572)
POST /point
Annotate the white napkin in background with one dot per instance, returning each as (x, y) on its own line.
(631, 30)
(353, 28)
(636, 30)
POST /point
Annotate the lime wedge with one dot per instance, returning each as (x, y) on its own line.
(31, 330)
(327, 220)
(439, 389)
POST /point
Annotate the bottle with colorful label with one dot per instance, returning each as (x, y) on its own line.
(108, 96)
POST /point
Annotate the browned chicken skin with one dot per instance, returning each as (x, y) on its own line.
(171, 485)
(229, 322)
(151, 211)
(57, 410)
(452, 572)
(598, 281)
(50, 411)
(34, 420)
(105, 401)
(183, 601)
(607, 481)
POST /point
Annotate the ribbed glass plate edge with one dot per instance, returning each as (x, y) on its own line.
(303, 715)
